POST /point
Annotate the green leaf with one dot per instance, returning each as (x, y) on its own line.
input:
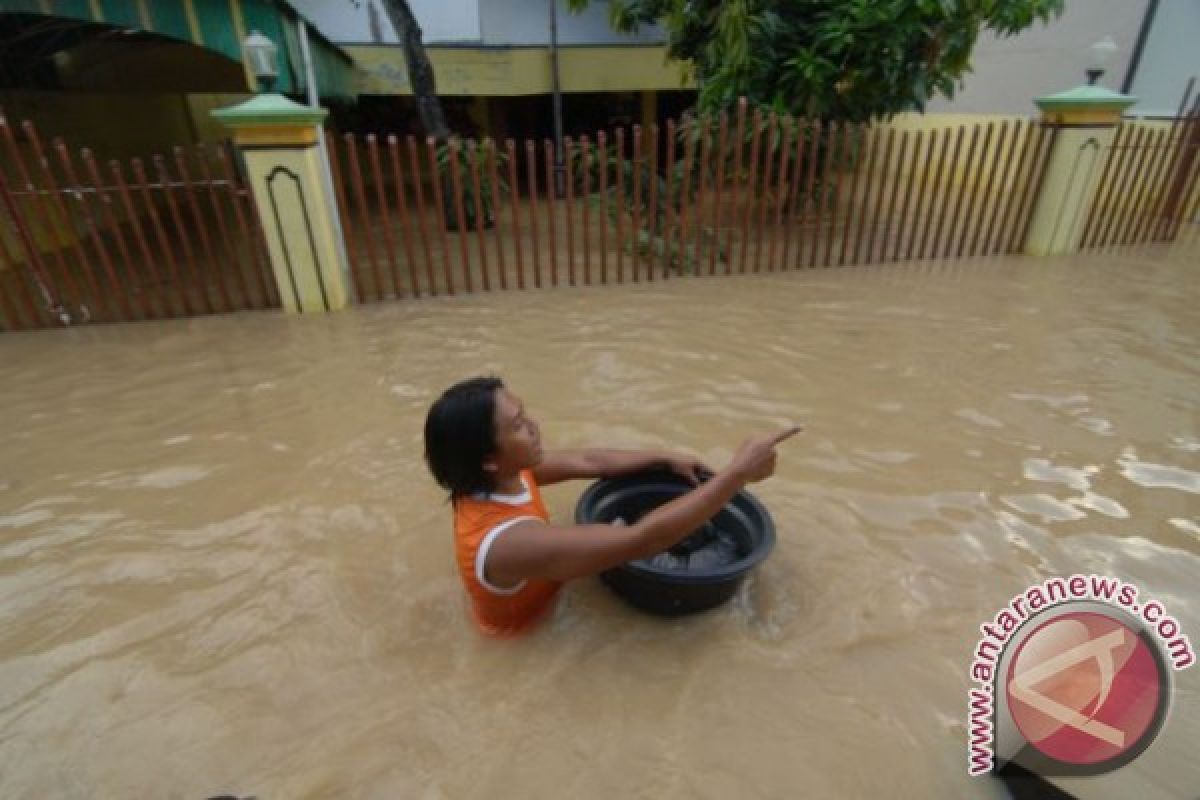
(854, 59)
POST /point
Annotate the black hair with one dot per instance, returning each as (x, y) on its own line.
(460, 432)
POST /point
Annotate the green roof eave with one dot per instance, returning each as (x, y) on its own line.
(218, 25)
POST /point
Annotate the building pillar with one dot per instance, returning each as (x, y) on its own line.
(278, 141)
(649, 108)
(481, 115)
(499, 117)
(1084, 120)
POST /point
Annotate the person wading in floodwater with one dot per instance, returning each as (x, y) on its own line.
(482, 447)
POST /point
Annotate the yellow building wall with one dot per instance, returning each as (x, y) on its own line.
(467, 71)
(959, 173)
(1147, 187)
(120, 125)
(1153, 179)
(112, 126)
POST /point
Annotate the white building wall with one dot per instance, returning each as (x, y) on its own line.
(1008, 73)
(1171, 56)
(365, 22)
(527, 22)
(480, 22)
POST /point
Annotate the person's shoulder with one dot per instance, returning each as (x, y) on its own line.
(473, 520)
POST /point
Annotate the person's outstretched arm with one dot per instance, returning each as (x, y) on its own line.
(534, 549)
(592, 463)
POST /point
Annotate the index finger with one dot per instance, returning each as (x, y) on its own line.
(785, 434)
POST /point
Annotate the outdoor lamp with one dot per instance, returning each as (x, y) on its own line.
(261, 54)
(1099, 54)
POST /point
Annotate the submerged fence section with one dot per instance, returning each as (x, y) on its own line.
(729, 194)
(85, 241)
(733, 193)
(1150, 183)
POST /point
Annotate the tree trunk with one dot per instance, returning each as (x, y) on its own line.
(420, 71)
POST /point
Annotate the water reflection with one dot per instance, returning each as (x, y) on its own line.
(223, 567)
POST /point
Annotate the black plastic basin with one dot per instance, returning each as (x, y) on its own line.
(700, 572)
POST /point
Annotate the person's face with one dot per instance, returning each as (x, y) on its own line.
(518, 438)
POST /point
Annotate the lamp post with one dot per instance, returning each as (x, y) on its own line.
(1099, 56)
(263, 57)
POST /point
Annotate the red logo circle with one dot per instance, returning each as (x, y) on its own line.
(1085, 688)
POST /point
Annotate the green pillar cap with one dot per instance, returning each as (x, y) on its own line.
(1085, 97)
(268, 110)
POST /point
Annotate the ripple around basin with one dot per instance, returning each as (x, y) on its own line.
(224, 568)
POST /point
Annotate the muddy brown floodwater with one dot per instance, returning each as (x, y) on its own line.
(224, 569)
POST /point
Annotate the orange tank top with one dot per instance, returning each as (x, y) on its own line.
(478, 521)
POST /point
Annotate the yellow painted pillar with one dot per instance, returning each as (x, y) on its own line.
(278, 140)
(1084, 120)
